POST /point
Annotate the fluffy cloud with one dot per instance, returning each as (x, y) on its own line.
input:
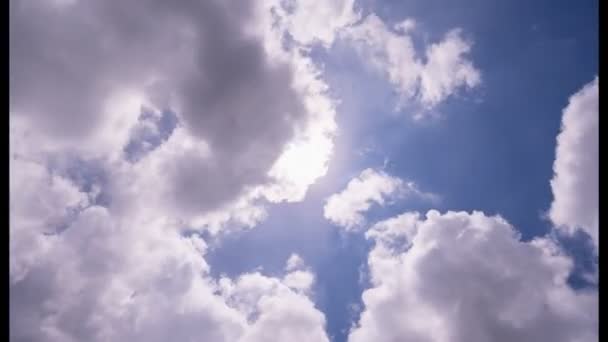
(294, 262)
(280, 314)
(91, 85)
(39, 204)
(445, 70)
(575, 184)
(346, 208)
(107, 277)
(299, 276)
(467, 277)
(247, 107)
(317, 21)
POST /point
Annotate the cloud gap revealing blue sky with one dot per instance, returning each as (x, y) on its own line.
(340, 170)
(153, 130)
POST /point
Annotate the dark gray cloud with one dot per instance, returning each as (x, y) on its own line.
(198, 57)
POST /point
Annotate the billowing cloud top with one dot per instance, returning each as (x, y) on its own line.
(131, 122)
(465, 277)
(576, 182)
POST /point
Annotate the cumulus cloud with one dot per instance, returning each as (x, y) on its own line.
(467, 277)
(246, 106)
(39, 203)
(575, 183)
(124, 278)
(445, 70)
(280, 313)
(346, 208)
(300, 277)
(197, 114)
(94, 82)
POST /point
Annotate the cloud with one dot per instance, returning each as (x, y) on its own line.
(575, 183)
(280, 313)
(405, 26)
(120, 269)
(316, 21)
(346, 208)
(294, 262)
(248, 109)
(104, 181)
(299, 278)
(39, 203)
(467, 277)
(124, 278)
(445, 70)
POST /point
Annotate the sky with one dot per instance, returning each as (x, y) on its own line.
(304, 170)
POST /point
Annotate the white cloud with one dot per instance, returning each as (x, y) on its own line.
(299, 278)
(390, 53)
(109, 277)
(39, 204)
(306, 157)
(575, 184)
(317, 21)
(294, 262)
(445, 71)
(256, 125)
(405, 26)
(346, 208)
(123, 271)
(280, 313)
(467, 277)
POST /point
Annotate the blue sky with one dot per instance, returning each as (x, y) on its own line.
(201, 153)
